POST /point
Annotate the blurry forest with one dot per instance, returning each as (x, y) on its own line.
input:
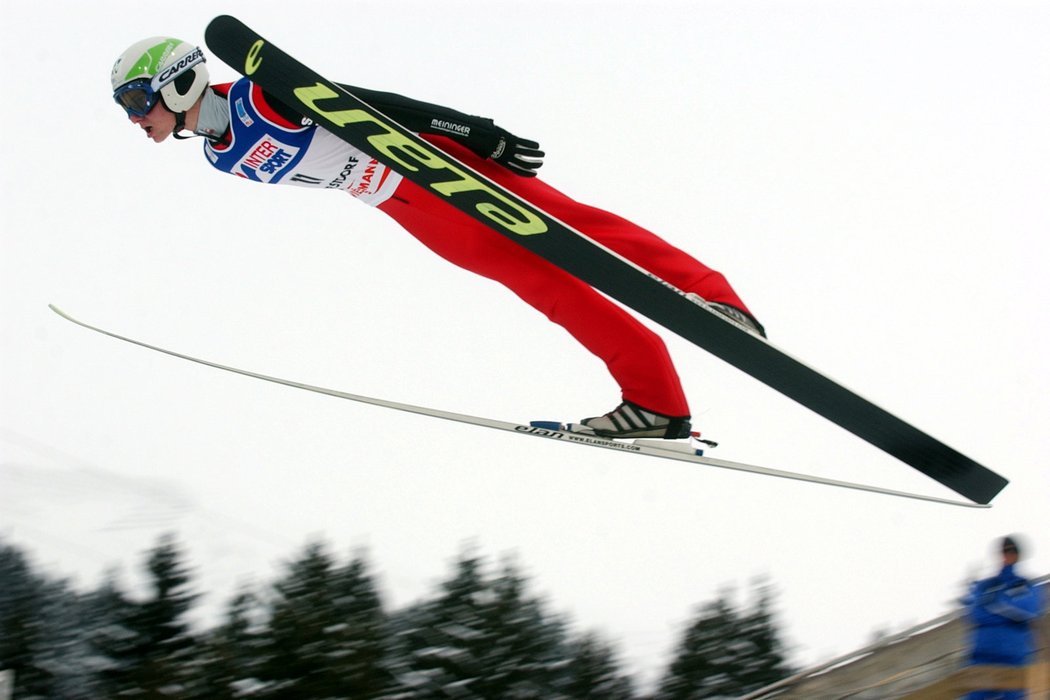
(321, 631)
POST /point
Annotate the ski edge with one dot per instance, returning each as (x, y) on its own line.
(563, 436)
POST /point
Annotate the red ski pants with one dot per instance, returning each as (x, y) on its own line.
(635, 356)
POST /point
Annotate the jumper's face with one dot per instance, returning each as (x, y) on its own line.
(158, 123)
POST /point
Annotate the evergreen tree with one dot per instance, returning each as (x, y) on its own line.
(480, 638)
(766, 661)
(527, 646)
(326, 632)
(66, 653)
(235, 652)
(438, 639)
(148, 646)
(725, 653)
(108, 631)
(41, 633)
(593, 672)
(703, 663)
(22, 636)
(366, 632)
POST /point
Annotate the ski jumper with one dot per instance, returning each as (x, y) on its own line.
(265, 146)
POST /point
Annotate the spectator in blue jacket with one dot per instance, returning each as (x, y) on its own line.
(1003, 610)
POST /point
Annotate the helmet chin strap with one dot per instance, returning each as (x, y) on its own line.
(180, 125)
(213, 118)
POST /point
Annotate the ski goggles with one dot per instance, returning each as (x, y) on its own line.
(137, 97)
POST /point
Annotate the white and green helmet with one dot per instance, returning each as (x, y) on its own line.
(160, 66)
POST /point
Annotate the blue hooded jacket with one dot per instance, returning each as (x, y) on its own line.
(1002, 609)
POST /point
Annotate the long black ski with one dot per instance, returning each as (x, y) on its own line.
(359, 124)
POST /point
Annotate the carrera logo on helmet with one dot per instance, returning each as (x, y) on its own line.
(171, 72)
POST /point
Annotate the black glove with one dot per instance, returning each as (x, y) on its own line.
(520, 156)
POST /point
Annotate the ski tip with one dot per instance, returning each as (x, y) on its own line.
(63, 314)
(219, 25)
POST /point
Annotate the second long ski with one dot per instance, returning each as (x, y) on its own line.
(358, 123)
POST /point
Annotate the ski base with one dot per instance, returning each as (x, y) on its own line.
(650, 448)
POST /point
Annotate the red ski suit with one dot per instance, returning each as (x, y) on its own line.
(265, 146)
(635, 356)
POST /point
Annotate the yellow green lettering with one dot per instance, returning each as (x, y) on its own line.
(252, 61)
(396, 147)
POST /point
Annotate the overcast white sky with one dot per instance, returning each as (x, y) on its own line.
(872, 176)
